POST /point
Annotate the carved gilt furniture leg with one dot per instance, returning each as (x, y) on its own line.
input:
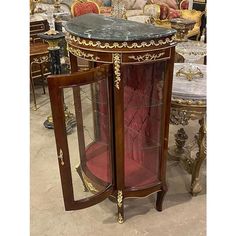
(201, 156)
(78, 169)
(178, 151)
(160, 198)
(120, 206)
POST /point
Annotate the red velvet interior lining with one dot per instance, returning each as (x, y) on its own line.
(136, 175)
(143, 99)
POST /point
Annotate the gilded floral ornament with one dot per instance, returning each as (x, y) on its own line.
(119, 198)
(40, 60)
(117, 62)
(77, 52)
(179, 117)
(147, 57)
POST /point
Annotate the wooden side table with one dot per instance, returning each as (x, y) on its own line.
(189, 102)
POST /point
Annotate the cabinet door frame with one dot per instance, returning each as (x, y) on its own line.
(56, 84)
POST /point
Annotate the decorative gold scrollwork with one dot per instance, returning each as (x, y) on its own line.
(40, 60)
(179, 117)
(119, 45)
(147, 57)
(117, 61)
(119, 198)
(77, 52)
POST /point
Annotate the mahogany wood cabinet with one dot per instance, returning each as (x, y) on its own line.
(122, 109)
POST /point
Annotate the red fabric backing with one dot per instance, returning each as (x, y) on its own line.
(143, 97)
(135, 174)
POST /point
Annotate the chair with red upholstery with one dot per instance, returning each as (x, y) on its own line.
(79, 8)
(184, 5)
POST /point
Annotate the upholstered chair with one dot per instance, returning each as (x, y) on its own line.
(79, 8)
(162, 11)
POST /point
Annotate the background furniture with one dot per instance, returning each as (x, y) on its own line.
(189, 102)
(200, 5)
(122, 122)
(162, 13)
(39, 67)
(182, 26)
(79, 8)
(53, 38)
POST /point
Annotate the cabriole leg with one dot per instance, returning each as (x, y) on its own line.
(160, 198)
(201, 156)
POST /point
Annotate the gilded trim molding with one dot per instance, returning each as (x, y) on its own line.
(119, 198)
(117, 62)
(99, 44)
(189, 102)
(147, 57)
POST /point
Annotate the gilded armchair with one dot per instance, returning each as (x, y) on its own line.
(95, 6)
(164, 10)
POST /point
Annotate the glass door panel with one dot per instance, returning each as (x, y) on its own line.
(89, 144)
(86, 171)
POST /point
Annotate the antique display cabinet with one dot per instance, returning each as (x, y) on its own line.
(122, 108)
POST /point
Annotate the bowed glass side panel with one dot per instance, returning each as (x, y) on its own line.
(143, 106)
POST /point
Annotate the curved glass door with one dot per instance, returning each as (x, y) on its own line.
(86, 170)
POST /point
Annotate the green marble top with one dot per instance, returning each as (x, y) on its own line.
(99, 27)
